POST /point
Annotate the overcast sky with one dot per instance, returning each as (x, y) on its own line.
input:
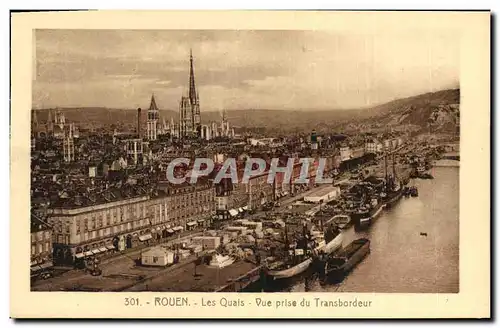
(240, 69)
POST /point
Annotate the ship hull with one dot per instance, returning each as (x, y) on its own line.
(333, 245)
(334, 270)
(296, 270)
(365, 221)
(281, 278)
(393, 198)
(284, 274)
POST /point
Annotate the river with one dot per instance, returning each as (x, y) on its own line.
(401, 260)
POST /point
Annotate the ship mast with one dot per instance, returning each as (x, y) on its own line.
(304, 232)
(394, 166)
(286, 236)
(386, 175)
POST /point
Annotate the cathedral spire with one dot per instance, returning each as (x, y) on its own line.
(192, 87)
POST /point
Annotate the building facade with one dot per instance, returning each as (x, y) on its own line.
(373, 147)
(98, 226)
(126, 219)
(41, 245)
(189, 205)
(259, 190)
(223, 198)
(345, 153)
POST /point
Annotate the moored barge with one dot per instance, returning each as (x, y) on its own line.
(335, 267)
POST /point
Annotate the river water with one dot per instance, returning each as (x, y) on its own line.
(401, 260)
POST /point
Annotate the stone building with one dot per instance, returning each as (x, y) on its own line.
(189, 205)
(259, 191)
(127, 217)
(41, 244)
(89, 225)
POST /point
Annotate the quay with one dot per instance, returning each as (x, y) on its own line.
(125, 275)
(204, 279)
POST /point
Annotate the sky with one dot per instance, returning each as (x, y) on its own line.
(237, 69)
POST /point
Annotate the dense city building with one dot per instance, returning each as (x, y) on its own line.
(41, 244)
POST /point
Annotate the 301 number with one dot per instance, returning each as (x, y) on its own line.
(131, 301)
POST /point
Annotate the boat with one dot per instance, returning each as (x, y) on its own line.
(361, 212)
(368, 216)
(343, 221)
(283, 270)
(335, 267)
(289, 272)
(332, 245)
(420, 169)
(392, 197)
(425, 176)
(296, 261)
(393, 188)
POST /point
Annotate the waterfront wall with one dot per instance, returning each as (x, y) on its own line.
(446, 163)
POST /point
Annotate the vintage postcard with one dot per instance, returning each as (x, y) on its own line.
(250, 165)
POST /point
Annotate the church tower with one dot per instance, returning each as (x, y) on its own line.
(153, 116)
(185, 118)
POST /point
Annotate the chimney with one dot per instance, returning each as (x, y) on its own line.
(139, 135)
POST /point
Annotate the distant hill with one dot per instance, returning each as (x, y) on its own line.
(439, 110)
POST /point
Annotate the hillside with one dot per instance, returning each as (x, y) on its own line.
(438, 110)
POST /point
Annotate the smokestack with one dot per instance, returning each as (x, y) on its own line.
(139, 134)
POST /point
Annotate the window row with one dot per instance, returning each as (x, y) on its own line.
(41, 247)
(40, 235)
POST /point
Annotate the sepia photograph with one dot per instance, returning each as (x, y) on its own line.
(246, 161)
